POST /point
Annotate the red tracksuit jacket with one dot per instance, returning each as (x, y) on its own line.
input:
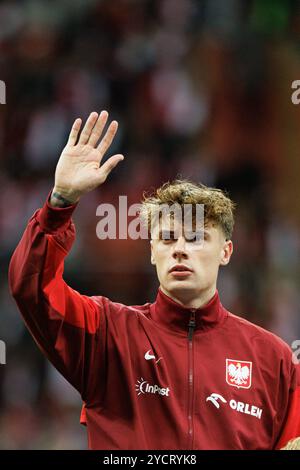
(156, 376)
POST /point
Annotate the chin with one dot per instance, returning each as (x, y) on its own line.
(181, 286)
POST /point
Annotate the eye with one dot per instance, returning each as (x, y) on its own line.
(167, 237)
(167, 242)
(191, 239)
(196, 237)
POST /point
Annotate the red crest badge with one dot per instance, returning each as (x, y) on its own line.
(238, 373)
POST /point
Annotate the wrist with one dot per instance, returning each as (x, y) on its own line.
(60, 198)
(52, 220)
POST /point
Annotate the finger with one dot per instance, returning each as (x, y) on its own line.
(108, 138)
(98, 128)
(108, 166)
(88, 127)
(74, 132)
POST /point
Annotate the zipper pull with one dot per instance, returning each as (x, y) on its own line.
(192, 324)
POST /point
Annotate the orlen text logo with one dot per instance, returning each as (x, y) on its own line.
(239, 406)
(143, 386)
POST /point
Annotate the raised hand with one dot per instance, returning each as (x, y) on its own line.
(79, 168)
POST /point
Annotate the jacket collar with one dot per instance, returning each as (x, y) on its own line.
(174, 316)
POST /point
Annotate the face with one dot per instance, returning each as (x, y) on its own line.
(186, 269)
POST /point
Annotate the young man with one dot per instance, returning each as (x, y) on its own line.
(179, 373)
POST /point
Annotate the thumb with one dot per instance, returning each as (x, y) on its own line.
(108, 166)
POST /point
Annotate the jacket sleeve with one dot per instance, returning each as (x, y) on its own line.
(64, 323)
(289, 436)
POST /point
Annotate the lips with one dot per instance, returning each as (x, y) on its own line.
(180, 268)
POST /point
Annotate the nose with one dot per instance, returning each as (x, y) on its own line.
(179, 249)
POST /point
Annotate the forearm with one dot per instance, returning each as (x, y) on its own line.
(40, 254)
(62, 321)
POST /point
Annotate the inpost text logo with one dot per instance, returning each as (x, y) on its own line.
(142, 386)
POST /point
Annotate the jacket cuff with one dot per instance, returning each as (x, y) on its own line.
(52, 219)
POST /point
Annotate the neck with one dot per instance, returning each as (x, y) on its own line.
(192, 300)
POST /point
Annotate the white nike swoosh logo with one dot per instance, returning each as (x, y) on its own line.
(149, 356)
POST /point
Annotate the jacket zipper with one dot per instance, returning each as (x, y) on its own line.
(192, 324)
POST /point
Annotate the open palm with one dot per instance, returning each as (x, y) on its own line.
(79, 168)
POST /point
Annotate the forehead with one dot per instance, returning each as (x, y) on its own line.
(171, 222)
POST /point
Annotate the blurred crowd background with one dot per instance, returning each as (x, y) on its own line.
(201, 90)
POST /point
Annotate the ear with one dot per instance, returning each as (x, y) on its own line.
(226, 253)
(152, 253)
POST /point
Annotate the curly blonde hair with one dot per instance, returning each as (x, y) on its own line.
(218, 207)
